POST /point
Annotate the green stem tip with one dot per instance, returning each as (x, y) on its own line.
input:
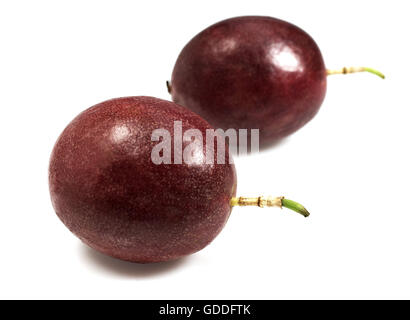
(377, 73)
(297, 207)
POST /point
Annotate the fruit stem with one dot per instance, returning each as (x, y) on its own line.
(169, 88)
(270, 202)
(354, 70)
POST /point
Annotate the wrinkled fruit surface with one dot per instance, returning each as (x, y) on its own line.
(108, 192)
(251, 73)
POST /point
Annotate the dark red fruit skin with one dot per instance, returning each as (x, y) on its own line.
(108, 192)
(251, 72)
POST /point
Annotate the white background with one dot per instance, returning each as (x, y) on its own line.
(349, 166)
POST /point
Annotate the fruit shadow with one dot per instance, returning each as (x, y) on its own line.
(267, 147)
(273, 145)
(129, 269)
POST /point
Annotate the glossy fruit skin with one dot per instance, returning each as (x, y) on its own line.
(251, 72)
(107, 191)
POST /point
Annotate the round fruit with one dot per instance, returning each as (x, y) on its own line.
(106, 189)
(113, 186)
(253, 72)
